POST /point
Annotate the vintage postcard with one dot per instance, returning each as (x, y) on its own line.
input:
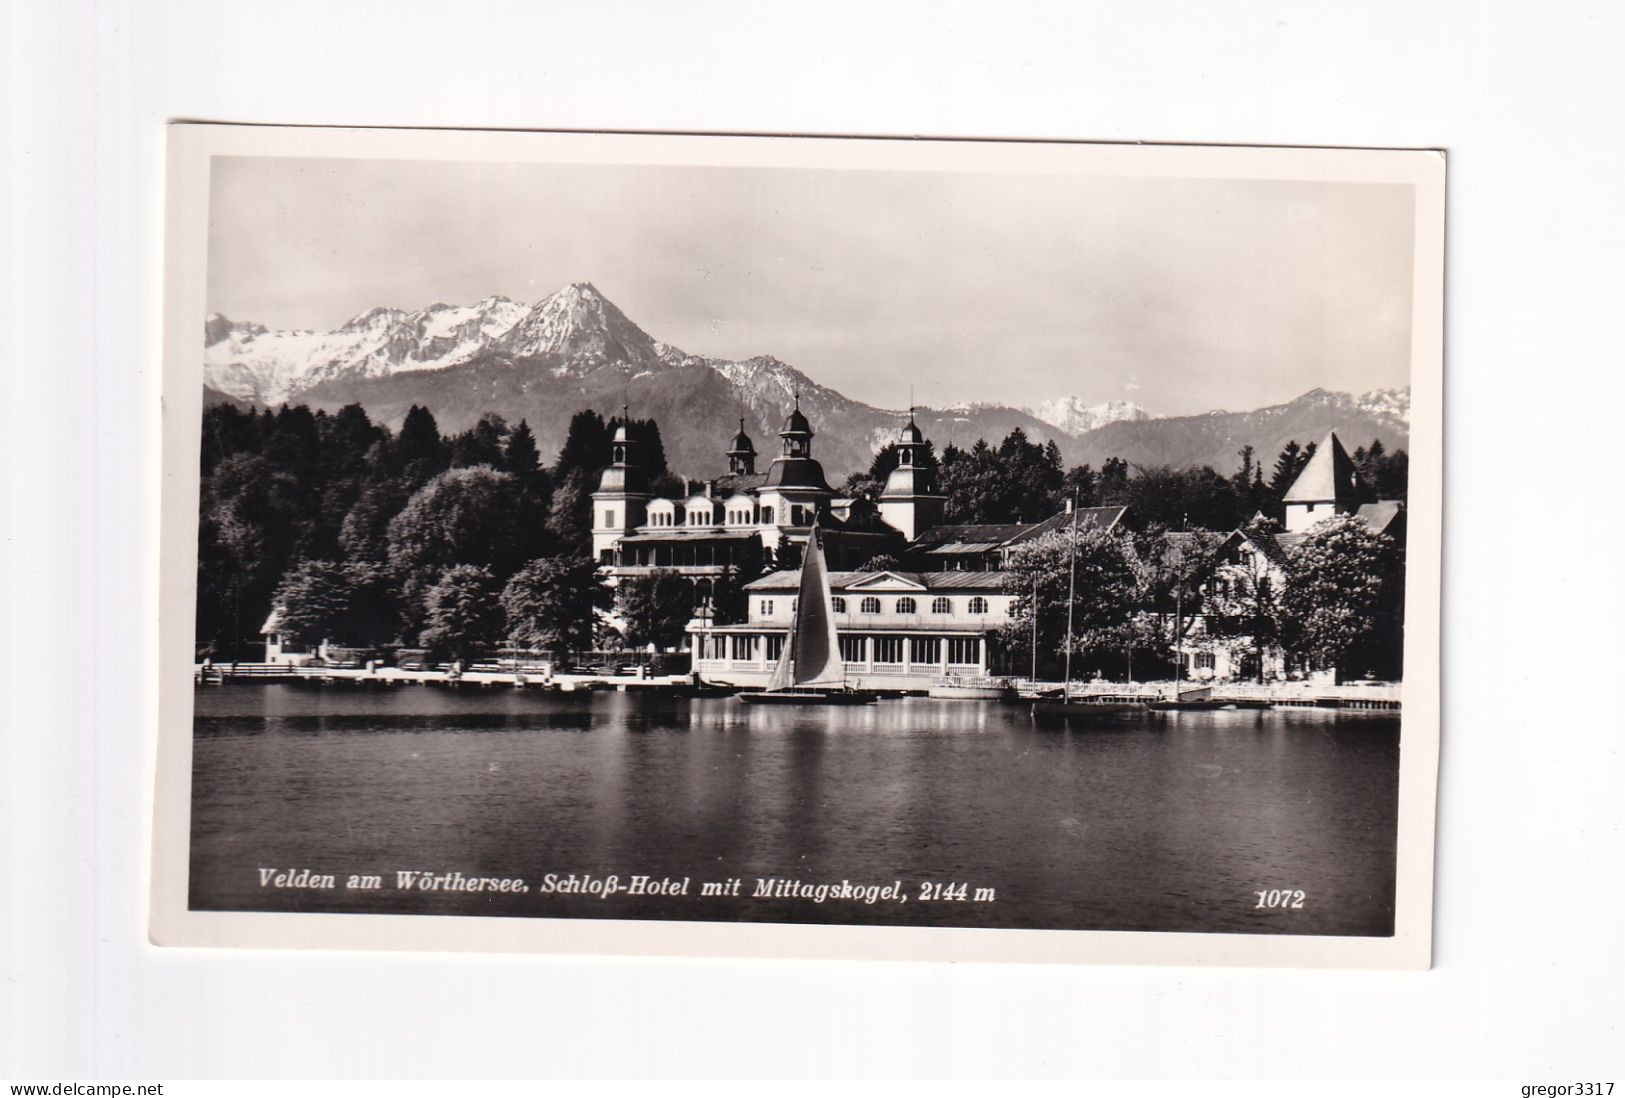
(749, 546)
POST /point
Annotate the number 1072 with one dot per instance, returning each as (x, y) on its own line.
(1280, 897)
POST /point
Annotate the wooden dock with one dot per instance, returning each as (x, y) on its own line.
(1298, 695)
(478, 678)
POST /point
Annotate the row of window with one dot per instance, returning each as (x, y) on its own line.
(905, 605)
(962, 651)
(799, 516)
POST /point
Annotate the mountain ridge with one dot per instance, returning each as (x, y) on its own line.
(576, 348)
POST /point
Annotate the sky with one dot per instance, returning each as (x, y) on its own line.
(1182, 295)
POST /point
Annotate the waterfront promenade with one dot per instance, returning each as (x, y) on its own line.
(1357, 695)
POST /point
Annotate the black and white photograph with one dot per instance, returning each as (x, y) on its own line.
(582, 540)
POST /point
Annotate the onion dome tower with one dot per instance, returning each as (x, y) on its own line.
(794, 489)
(623, 494)
(742, 453)
(910, 502)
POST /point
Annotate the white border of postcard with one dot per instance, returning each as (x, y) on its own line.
(191, 146)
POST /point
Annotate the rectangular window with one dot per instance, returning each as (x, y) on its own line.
(888, 649)
(965, 651)
(775, 647)
(852, 649)
(1204, 660)
(609, 519)
(767, 608)
(742, 646)
(925, 650)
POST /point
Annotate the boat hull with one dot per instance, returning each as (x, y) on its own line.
(1087, 712)
(808, 697)
(972, 693)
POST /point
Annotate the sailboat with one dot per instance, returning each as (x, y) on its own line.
(810, 670)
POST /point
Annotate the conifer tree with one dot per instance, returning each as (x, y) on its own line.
(521, 457)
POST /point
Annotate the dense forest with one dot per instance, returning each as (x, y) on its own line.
(1021, 480)
(418, 538)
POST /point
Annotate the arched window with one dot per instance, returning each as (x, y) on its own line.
(905, 606)
(870, 606)
(978, 605)
(838, 604)
(941, 606)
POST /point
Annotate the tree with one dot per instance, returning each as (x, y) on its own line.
(656, 607)
(462, 613)
(463, 516)
(1179, 499)
(1019, 481)
(364, 532)
(586, 445)
(420, 449)
(351, 603)
(1040, 574)
(550, 604)
(485, 443)
(521, 458)
(1170, 570)
(1343, 577)
(730, 602)
(862, 486)
(373, 616)
(1080, 485)
(880, 562)
(1112, 488)
(1287, 467)
(312, 600)
(569, 514)
(786, 554)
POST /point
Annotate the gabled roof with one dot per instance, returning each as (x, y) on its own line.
(885, 580)
(988, 537)
(972, 538)
(1089, 518)
(1330, 476)
(738, 483)
(1380, 516)
(1268, 544)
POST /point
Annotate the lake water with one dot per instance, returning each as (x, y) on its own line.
(1173, 824)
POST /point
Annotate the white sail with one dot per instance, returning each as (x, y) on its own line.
(782, 678)
(817, 655)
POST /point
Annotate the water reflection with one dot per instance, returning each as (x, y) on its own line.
(1169, 825)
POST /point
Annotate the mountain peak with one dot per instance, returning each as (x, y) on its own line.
(1073, 416)
(584, 327)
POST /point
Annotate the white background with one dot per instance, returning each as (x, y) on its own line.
(1525, 97)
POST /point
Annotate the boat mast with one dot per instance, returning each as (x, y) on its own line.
(1071, 594)
(1179, 608)
(1035, 628)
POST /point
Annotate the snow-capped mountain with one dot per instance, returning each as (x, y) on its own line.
(577, 326)
(246, 361)
(1073, 416)
(575, 349)
(1214, 438)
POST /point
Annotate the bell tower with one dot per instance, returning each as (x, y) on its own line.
(910, 502)
(742, 453)
(623, 494)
